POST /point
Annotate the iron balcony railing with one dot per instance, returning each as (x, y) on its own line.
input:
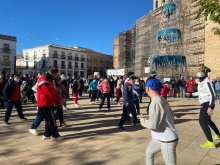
(8, 51)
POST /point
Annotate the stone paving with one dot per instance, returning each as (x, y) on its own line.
(93, 138)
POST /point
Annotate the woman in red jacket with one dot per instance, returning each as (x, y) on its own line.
(190, 85)
(104, 87)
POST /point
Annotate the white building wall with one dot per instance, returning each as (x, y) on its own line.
(47, 53)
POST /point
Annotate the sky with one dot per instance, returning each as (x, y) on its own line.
(87, 23)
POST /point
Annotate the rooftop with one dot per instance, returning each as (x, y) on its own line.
(5, 37)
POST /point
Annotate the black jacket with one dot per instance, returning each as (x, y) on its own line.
(75, 86)
(9, 89)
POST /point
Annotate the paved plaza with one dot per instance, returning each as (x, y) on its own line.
(93, 138)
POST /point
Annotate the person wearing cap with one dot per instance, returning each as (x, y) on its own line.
(128, 104)
(152, 76)
(75, 90)
(206, 96)
(161, 123)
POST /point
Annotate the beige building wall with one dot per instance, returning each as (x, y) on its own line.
(116, 53)
(212, 49)
(98, 62)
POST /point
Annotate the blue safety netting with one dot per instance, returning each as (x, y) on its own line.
(170, 35)
(169, 9)
(167, 60)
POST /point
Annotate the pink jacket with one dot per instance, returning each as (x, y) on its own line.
(104, 87)
(164, 90)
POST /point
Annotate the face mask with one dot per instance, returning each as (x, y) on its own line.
(199, 74)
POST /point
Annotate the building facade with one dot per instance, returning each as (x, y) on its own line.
(7, 54)
(200, 45)
(97, 62)
(124, 49)
(68, 60)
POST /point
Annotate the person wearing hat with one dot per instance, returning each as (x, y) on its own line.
(206, 96)
(152, 76)
(161, 122)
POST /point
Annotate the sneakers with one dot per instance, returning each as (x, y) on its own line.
(6, 123)
(76, 105)
(208, 144)
(34, 132)
(121, 127)
(46, 137)
(99, 109)
(63, 124)
(65, 108)
(57, 138)
(136, 123)
(215, 137)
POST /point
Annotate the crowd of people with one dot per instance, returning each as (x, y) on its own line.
(51, 91)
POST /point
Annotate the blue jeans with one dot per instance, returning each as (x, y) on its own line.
(182, 92)
(37, 120)
(168, 151)
(9, 106)
(217, 92)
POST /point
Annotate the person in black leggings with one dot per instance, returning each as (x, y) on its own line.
(207, 100)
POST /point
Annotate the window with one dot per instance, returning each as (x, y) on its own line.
(43, 64)
(70, 65)
(63, 65)
(44, 51)
(35, 64)
(26, 65)
(156, 4)
(55, 52)
(35, 54)
(82, 65)
(27, 56)
(6, 48)
(55, 63)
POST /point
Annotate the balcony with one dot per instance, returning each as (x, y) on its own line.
(43, 66)
(55, 65)
(77, 58)
(70, 58)
(63, 66)
(7, 51)
(82, 59)
(63, 57)
(55, 55)
(26, 67)
(69, 67)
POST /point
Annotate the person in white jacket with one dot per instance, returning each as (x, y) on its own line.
(161, 123)
(206, 96)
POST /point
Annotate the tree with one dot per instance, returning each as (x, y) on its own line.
(210, 9)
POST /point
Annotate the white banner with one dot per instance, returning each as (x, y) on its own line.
(147, 70)
(115, 72)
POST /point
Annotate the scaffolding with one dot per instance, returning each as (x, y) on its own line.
(146, 32)
(193, 38)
